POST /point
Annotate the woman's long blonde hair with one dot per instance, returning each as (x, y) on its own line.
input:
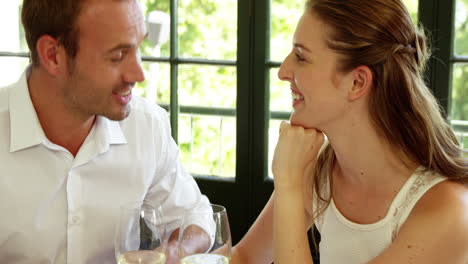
(381, 35)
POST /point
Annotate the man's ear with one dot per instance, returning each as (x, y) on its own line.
(51, 54)
(362, 82)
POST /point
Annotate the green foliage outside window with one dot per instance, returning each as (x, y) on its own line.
(207, 29)
(459, 110)
(459, 102)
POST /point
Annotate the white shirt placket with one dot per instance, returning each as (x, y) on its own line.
(75, 218)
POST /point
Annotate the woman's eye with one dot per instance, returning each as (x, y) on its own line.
(299, 57)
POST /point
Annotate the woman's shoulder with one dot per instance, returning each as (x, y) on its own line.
(447, 193)
(436, 230)
(446, 202)
(437, 222)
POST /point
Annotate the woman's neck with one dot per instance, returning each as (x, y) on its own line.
(364, 156)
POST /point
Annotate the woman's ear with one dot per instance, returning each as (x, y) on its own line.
(362, 82)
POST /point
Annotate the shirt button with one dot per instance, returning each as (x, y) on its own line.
(75, 219)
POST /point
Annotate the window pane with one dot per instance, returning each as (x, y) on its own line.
(11, 69)
(158, 25)
(461, 131)
(273, 134)
(211, 86)
(412, 6)
(208, 29)
(13, 39)
(284, 17)
(208, 144)
(280, 93)
(156, 86)
(459, 103)
(461, 28)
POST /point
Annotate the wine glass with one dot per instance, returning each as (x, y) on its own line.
(205, 237)
(140, 236)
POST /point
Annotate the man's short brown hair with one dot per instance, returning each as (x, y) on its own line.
(56, 18)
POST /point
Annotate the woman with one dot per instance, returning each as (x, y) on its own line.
(385, 187)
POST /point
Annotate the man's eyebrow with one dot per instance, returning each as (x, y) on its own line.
(121, 47)
(299, 45)
(125, 45)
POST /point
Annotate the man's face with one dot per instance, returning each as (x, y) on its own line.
(107, 65)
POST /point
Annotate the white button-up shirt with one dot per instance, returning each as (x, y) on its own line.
(56, 208)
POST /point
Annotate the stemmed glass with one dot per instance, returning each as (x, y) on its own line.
(213, 224)
(140, 236)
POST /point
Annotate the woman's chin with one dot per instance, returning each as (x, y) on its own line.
(294, 121)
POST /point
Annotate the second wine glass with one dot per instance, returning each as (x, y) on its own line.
(210, 223)
(140, 235)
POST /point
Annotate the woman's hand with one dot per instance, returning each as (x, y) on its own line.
(296, 150)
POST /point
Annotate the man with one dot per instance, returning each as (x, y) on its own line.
(74, 145)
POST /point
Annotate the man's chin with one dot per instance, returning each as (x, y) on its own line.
(119, 116)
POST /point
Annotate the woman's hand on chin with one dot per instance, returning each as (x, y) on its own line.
(296, 150)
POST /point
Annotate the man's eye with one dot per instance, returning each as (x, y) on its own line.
(118, 56)
(116, 59)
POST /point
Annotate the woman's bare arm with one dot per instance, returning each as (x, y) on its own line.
(257, 245)
(291, 243)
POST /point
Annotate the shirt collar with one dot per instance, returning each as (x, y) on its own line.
(112, 129)
(26, 130)
(104, 133)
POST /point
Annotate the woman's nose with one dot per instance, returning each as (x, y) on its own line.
(284, 72)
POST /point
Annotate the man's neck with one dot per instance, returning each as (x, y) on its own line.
(61, 126)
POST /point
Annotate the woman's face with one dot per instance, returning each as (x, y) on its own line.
(319, 91)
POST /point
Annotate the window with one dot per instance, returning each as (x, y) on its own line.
(13, 47)
(459, 95)
(191, 72)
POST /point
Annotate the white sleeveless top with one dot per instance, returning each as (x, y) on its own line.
(345, 242)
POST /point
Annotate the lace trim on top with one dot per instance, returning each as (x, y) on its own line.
(416, 186)
(424, 181)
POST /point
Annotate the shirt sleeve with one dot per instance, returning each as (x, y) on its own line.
(173, 188)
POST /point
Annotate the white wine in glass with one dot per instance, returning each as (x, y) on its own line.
(140, 236)
(142, 257)
(205, 259)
